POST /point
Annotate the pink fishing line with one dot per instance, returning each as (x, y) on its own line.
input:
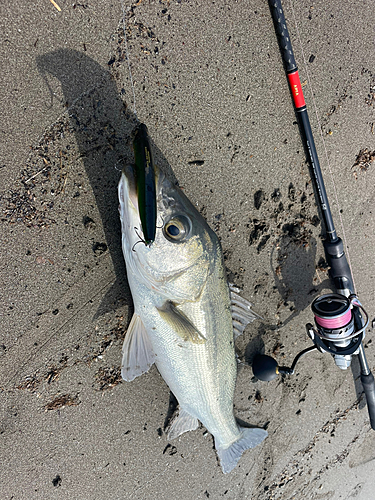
(337, 322)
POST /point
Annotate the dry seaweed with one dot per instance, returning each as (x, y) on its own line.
(364, 160)
(107, 378)
(61, 401)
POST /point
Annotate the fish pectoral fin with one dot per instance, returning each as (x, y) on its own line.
(183, 423)
(183, 327)
(242, 314)
(137, 353)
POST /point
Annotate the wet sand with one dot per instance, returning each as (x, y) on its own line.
(210, 85)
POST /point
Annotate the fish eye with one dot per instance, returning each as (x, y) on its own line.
(173, 230)
(177, 229)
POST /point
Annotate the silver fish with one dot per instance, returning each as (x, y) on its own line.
(185, 316)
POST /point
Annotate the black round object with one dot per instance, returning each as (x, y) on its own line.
(330, 305)
(173, 230)
(264, 367)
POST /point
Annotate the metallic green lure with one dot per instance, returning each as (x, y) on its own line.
(145, 178)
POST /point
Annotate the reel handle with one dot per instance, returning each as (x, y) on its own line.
(265, 368)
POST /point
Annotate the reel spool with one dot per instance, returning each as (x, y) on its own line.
(333, 315)
(334, 321)
(339, 326)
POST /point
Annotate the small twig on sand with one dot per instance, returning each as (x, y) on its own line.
(55, 5)
(33, 176)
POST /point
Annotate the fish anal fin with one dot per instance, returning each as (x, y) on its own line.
(137, 353)
(183, 423)
(181, 324)
(250, 437)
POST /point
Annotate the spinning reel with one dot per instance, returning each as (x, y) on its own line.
(339, 330)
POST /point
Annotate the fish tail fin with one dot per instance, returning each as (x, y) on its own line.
(250, 437)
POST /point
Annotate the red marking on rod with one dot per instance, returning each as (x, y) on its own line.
(296, 88)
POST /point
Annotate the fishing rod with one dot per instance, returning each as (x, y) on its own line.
(339, 323)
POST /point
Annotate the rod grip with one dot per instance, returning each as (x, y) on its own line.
(283, 35)
(369, 387)
(340, 270)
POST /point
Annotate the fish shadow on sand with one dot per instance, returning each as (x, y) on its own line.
(103, 128)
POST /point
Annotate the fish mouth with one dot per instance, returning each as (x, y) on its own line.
(130, 187)
(134, 208)
(128, 202)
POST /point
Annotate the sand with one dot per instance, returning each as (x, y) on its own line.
(210, 86)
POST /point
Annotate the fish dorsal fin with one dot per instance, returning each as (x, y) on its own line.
(242, 314)
(183, 423)
(137, 353)
(183, 327)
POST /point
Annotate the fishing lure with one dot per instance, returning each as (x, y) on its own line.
(146, 191)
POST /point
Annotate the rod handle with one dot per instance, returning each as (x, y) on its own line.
(369, 387)
(340, 270)
(283, 35)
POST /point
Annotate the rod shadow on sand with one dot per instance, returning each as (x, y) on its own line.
(103, 127)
